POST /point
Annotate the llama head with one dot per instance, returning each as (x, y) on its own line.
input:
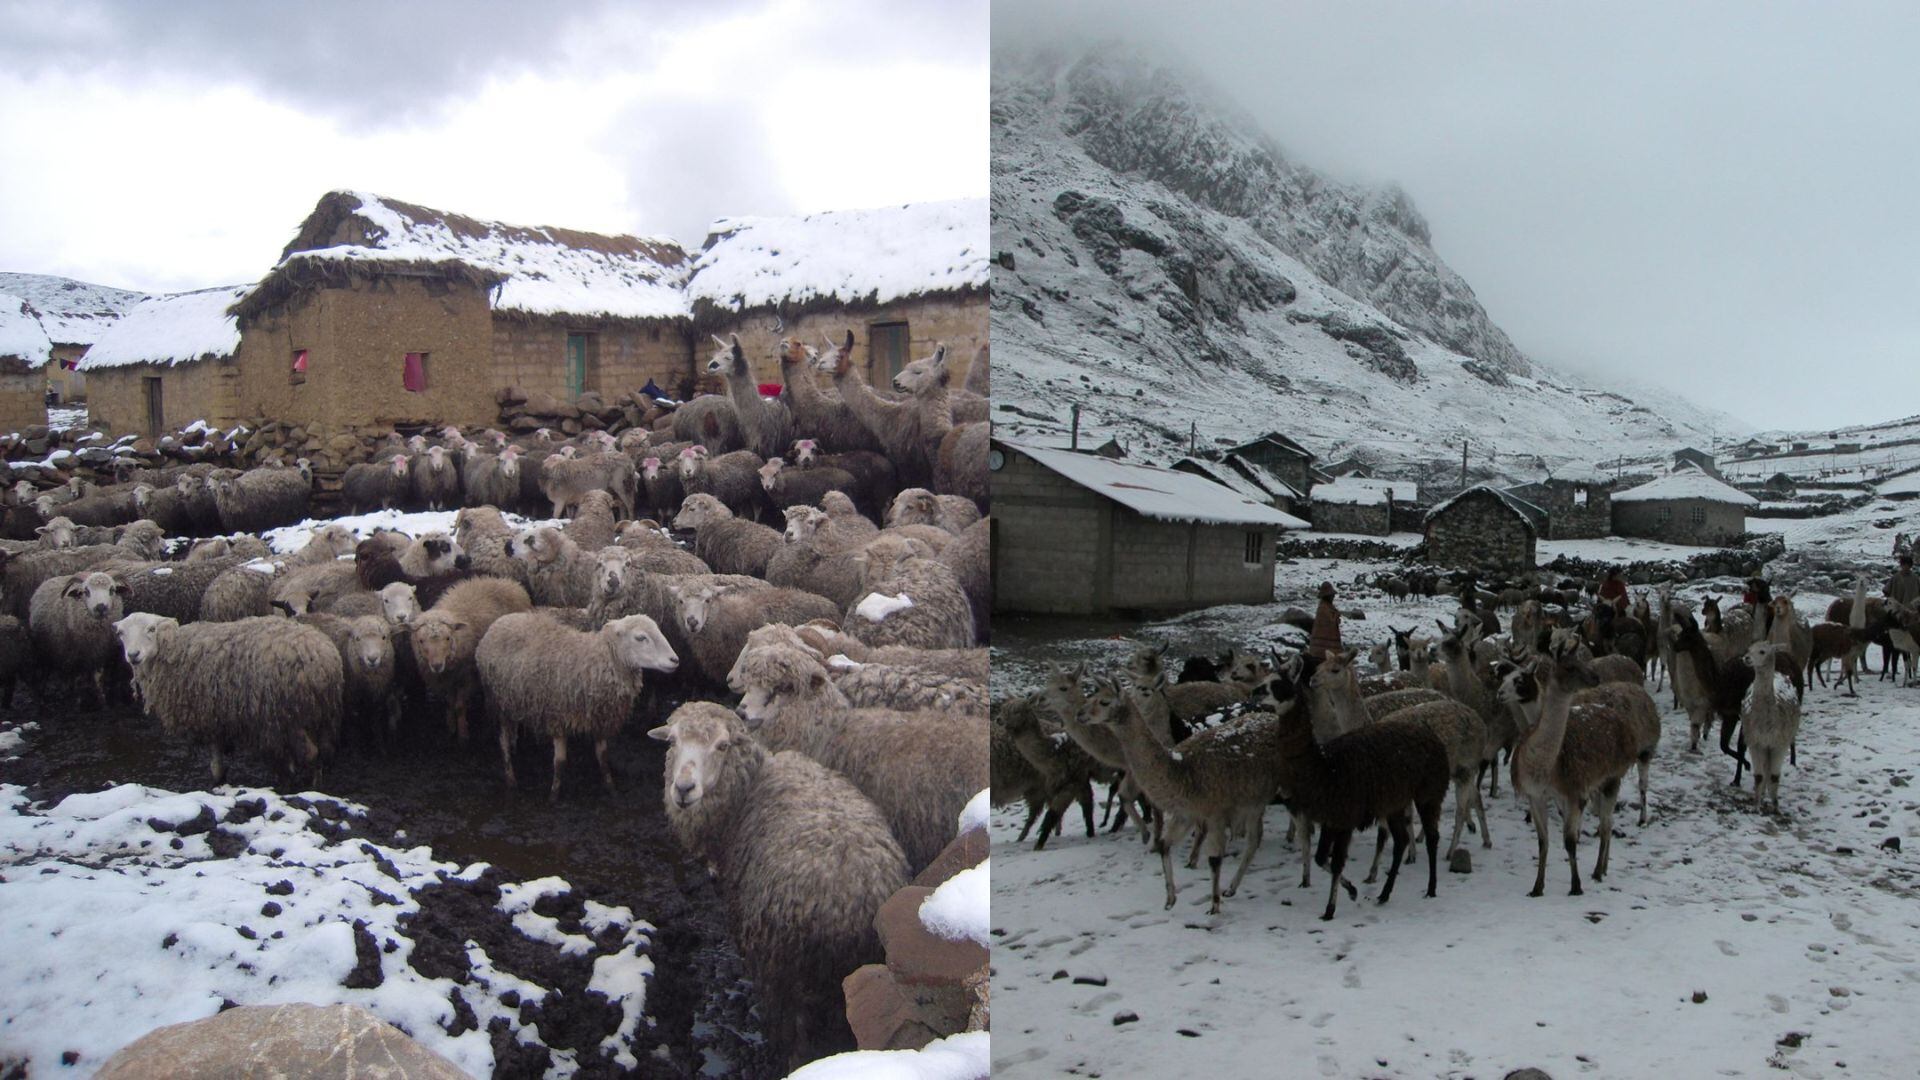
(925, 375)
(729, 360)
(793, 354)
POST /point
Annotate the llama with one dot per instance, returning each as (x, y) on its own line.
(1769, 720)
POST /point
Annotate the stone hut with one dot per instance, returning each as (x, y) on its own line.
(1578, 500)
(1484, 528)
(902, 278)
(24, 353)
(1076, 534)
(74, 314)
(1687, 507)
(166, 363)
(1283, 457)
(1781, 484)
(1699, 459)
(383, 313)
(1349, 466)
(1353, 504)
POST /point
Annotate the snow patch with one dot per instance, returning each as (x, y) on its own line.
(967, 1056)
(877, 606)
(961, 908)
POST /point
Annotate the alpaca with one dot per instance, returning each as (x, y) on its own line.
(1769, 721)
(765, 426)
(1789, 629)
(824, 416)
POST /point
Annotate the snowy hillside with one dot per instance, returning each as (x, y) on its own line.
(1160, 262)
(72, 312)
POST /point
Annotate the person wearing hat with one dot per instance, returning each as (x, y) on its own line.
(1326, 625)
(1902, 587)
(1614, 591)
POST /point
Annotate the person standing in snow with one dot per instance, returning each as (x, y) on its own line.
(1326, 625)
(1614, 591)
(1903, 587)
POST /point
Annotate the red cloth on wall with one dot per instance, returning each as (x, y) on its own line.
(413, 375)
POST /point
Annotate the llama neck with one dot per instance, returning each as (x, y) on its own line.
(935, 408)
(1325, 718)
(1762, 703)
(1155, 709)
(1420, 665)
(868, 407)
(1857, 616)
(1464, 685)
(1343, 697)
(799, 381)
(1152, 765)
(1542, 748)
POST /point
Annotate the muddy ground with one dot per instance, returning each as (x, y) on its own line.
(615, 849)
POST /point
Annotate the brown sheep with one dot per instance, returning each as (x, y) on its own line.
(445, 637)
(909, 600)
(729, 544)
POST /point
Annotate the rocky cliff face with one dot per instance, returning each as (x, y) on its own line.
(1162, 263)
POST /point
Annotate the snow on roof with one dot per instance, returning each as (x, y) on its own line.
(72, 312)
(1686, 484)
(175, 329)
(1531, 514)
(538, 271)
(1225, 476)
(1263, 476)
(1361, 491)
(20, 332)
(873, 256)
(1158, 493)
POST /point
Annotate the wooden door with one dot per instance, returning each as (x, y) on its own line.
(576, 366)
(156, 412)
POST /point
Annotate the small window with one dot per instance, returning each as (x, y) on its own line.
(1256, 548)
(1666, 514)
(1699, 515)
(297, 374)
(413, 373)
(887, 345)
(1579, 496)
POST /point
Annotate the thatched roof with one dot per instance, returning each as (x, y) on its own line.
(532, 271)
(20, 334)
(176, 329)
(841, 258)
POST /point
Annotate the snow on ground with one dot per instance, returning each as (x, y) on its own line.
(133, 907)
(1867, 530)
(1800, 936)
(291, 538)
(956, 1057)
(1617, 549)
(64, 417)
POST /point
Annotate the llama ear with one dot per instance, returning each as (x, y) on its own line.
(717, 341)
(846, 344)
(734, 348)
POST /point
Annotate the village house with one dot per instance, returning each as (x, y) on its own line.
(1356, 504)
(1076, 534)
(1283, 457)
(1484, 529)
(902, 278)
(24, 352)
(74, 314)
(1687, 507)
(1349, 466)
(1578, 500)
(166, 363)
(1699, 459)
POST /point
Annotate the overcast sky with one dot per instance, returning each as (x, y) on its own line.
(1720, 198)
(165, 146)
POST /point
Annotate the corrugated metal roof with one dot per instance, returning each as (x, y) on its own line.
(1162, 494)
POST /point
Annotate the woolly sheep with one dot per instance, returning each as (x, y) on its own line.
(884, 686)
(377, 485)
(24, 574)
(365, 644)
(559, 573)
(262, 499)
(435, 479)
(261, 684)
(718, 620)
(919, 768)
(845, 528)
(828, 640)
(918, 506)
(936, 614)
(970, 557)
(16, 657)
(432, 553)
(799, 564)
(594, 524)
(710, 421)
(565, 481)
(482, 532)
(787, 487)
(732, 478)
(804, 860)
(71, 620)
(315, 587)
(444, 639)
(729, 544)
(176, 590)
(241, 591)
(542, 676)
(492, 479)
(649, 547)
(660, 476)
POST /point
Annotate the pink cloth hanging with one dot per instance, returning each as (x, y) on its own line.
(414, 375)
(300, 361)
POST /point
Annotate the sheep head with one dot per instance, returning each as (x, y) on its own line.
(700, 510)
(399, 466)
(772, 635)
(335, 539)
(837, 504)
(914, 506)
(770, 473)
(802, 523)
(702, 737)
(691, 460)
(57, 533)
(774, 675)
(99, 593)
(370, 645)
(538, 545)
(142, 634)
(610, 573)
(806, 453)
(436, 640)
(399, 603)
(637, 642)
(442, 553)
(694, 607)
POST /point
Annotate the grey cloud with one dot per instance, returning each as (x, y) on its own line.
(679, 168)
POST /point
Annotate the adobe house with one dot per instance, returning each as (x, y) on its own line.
(1286, 459)
(1484, 528)
(1578, 500)
(74, 314)
(166, 363)
(384, 313)
(1078, 534)
(24, 352)
(1688, 507)
(902, 278)
(1356, 504)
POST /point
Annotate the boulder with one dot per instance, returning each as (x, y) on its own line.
(968, 849)
(881, 1014)
(319, 1042)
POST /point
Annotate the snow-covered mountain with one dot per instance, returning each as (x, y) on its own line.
(1161, 262)
(72, 312)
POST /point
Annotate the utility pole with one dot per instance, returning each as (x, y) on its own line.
(1193, 429)
(1463, 464)
(1075, 444)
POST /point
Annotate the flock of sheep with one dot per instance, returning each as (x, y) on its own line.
(853, 636)
(1565, 700)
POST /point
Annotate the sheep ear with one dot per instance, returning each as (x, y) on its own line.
(664, 733)
(122, 588)
(282, 606)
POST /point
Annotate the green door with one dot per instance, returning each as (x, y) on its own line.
(576, 365)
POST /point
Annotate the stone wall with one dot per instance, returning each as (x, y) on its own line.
(201, 390)
(1052, 542)
(1480, 532)
(1283, 463)
(1567, 517)
(961, 322)
(1353, 518)
(532, 356)
(1674, 521)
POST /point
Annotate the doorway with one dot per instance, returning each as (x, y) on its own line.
(576, 365)
(156, 411)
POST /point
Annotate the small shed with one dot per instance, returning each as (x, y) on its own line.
(1486, 529)
(1076, 534)
(1781, 484)
(1349, 466)
(1687, 507)
(1282, 456)
(903, 278)
(1354, 504)
(1578, 500)
(24, 352)
(166, 363)
(1699, 459)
